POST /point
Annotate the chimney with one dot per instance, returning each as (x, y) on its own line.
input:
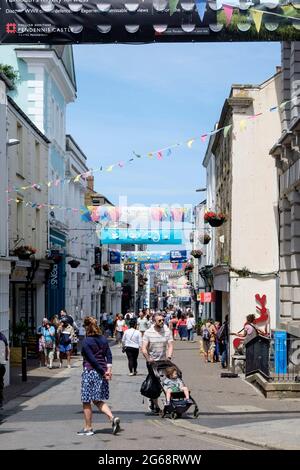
(90, 183)
(278, 68)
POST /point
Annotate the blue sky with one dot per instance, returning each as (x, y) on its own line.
(145, 97)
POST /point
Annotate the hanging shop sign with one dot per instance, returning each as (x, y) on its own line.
(140, 237)
(178, 256)
(144, 21)
(206, 297)
(114, 257)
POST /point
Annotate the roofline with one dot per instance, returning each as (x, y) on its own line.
(68, 136)
(48, 47)
(27, 119)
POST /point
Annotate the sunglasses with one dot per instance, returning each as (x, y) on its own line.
(160, 321)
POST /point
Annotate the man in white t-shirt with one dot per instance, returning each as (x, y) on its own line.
(157, 346)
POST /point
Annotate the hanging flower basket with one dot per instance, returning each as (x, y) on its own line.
(74, 263)
(196, 253)
(56, 257)
(189, 268)
(215, 219)
(105, 267)
(25, 251)
(206, 239)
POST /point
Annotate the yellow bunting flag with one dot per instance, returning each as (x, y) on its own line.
(77, 178)
(257, 18)
(190, 143)
(243, 125)
(110, 168)
(226, 129)
(49, 184)
(150, 155)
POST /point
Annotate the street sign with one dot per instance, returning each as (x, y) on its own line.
(144, 21)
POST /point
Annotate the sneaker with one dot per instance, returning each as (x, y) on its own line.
(85, 432)
(115, 425)
(131, 373)
(189, 401)
(135, 373)
(69, 367)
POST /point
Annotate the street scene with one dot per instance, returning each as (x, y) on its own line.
(150, 226)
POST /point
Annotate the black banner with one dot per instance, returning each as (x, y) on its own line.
(143, 21)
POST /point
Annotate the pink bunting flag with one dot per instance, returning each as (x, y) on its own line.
(203, 137)
(121, 164)
(254, 116)
(159, 155)
(56, 182)
(228, 10)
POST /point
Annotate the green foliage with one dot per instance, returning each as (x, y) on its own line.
(10, 73)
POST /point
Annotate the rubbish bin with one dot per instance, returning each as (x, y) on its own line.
(257, 356)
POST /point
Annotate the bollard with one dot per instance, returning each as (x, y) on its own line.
(24, 361)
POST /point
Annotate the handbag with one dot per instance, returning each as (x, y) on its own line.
(123, 349)
(151, 387)
(49, 344)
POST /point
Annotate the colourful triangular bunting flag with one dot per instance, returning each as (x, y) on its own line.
(173, 5)
(228, 10)
(257, 18)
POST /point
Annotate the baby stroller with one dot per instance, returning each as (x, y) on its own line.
(178, 404)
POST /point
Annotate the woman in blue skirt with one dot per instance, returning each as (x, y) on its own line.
(97, 371)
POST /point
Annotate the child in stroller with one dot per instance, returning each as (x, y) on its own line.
(178, 397)
(173, 384)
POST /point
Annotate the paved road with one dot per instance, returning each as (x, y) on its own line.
(51, 418)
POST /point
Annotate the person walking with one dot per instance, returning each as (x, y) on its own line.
(223, 338)
(48, 334)
(208, 332)
(4, 356)
(120, 325)
(157, 346)
(97, 372)
(182, 328)
(131, 342)
(173, 326)
(190, 324)
(143, 323)
(65, 334)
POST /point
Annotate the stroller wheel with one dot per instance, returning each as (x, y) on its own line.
(162, 414)
(196, 413)
(173, 415)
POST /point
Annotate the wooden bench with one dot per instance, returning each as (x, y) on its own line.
(237, 357)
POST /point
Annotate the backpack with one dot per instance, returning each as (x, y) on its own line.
(221, 332)
(206, 334)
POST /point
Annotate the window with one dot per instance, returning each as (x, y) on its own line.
(37, 229)
(37, 162)
(20, 150)
(20, 219)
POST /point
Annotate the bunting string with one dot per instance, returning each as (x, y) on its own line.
(159, 154)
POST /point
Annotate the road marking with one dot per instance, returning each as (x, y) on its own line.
(241, 408)
(205, 438)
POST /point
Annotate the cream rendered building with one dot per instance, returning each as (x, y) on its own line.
(246, 255)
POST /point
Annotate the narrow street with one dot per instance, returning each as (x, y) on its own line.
(51, 418)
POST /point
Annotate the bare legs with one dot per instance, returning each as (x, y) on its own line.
(88, 413)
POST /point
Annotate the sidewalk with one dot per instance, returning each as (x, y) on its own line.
(232, 408)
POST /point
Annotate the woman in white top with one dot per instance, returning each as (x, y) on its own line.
(120, 327)
(191, 327)
(132, 341)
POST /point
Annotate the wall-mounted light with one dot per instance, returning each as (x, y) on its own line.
(12, 142)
